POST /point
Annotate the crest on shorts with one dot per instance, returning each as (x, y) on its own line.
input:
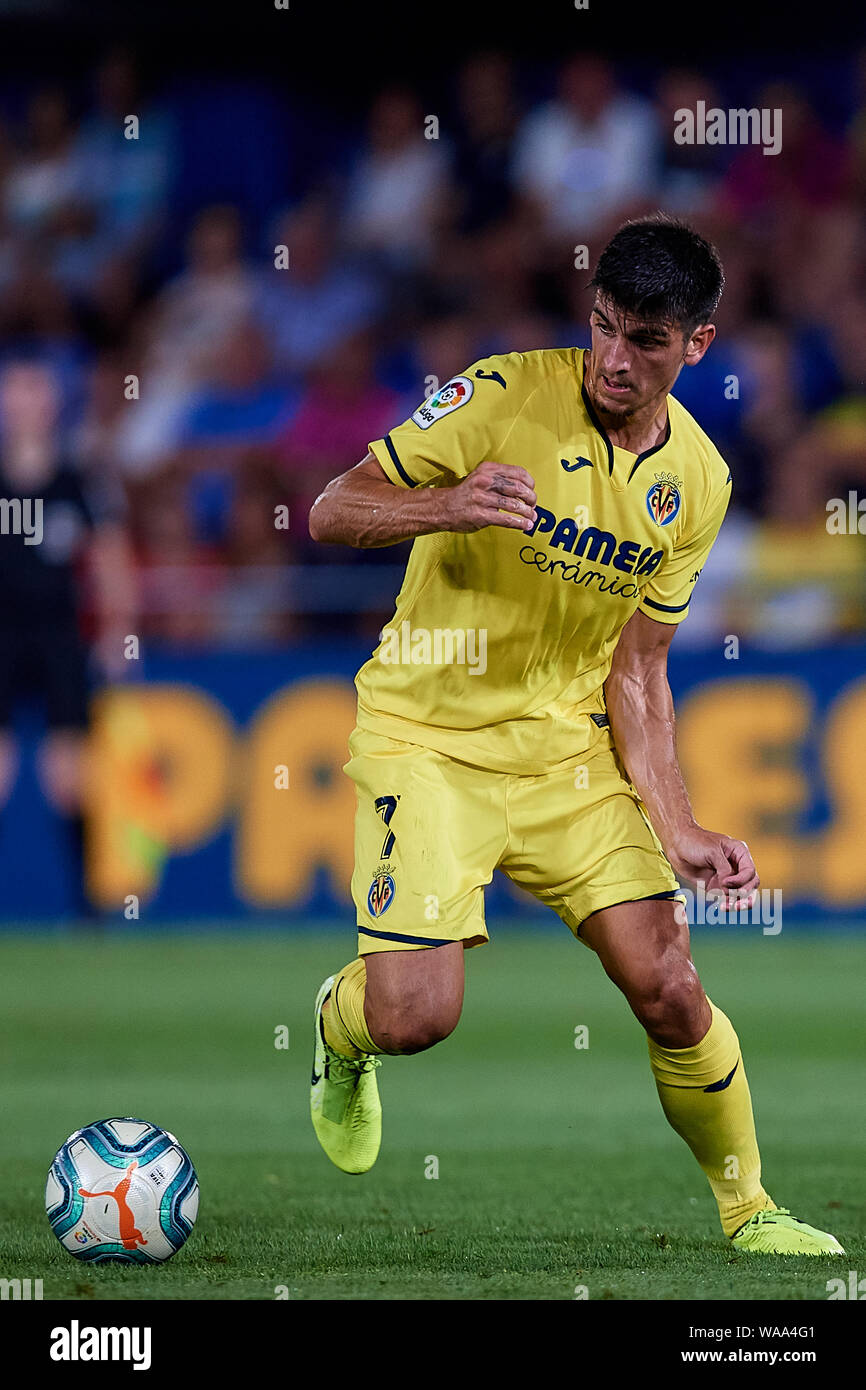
(663, 498)
(381, 894)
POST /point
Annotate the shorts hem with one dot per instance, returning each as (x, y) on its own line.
(612, 897)
(370, 941)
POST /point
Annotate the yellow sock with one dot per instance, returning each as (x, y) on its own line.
(344, 1022)
(705, 1096)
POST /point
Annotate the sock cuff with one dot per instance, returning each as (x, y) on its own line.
(346, 1014)
(707, 1062)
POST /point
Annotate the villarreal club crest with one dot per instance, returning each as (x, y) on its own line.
(381, 894)
(663, 498)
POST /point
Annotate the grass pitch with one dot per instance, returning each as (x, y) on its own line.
(556, 1169)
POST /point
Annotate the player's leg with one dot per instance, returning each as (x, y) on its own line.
(698, 1068)
(396, 1002)
(694, 1050)
(388, 1002)
(582, 843)
(428, 834)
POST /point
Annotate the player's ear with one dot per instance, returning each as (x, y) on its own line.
(698, 343)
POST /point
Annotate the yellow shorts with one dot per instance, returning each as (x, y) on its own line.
(430, 830)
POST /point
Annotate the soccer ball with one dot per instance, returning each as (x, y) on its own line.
(122, 1190)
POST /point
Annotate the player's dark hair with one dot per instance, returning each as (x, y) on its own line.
(659, 268)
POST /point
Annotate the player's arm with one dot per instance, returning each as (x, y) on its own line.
(641, 712)
(364, 508)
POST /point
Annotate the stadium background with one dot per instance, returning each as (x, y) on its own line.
(409, 258)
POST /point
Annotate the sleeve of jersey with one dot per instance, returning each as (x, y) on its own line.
(668, 594)
(450, 433)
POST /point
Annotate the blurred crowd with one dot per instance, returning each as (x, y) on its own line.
(206, 379)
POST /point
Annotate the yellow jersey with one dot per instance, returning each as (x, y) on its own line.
(502, 640)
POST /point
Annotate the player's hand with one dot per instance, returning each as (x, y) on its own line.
(494, 494)
(722, 864)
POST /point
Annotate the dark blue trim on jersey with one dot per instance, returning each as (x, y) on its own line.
(401, 936)
(410, 482)
(654, 450)
(665, 607)
(596, 423)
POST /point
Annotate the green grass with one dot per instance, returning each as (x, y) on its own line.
(556, 1167)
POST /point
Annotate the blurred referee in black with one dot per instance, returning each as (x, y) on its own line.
(74, 561)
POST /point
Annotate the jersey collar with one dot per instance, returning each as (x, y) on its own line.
(599, 428)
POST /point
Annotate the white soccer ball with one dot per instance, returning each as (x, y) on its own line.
(122, 1190)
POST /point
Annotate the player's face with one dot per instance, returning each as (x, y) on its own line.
(635, 362)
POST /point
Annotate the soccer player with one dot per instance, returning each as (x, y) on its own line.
(517, 713)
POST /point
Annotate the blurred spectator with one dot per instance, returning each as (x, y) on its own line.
(255, 606)
(341, 410)
(235, 386)
(125, 179)
(399, 193)
(441, 348)
(242, 405)
(196, 311)
(42, 184)
(829, 455)
(690, 174)
(810, 172)
(803, 586)
(43, 593)
(92, 440)
(487, 110)
(207, 300)
(591, 154)
(796, 204)
(241, 400)
(321, 297)
(180, 575)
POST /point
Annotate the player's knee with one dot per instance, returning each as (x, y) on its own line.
(404, 1027)
(671, 1006)
(413, 999)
